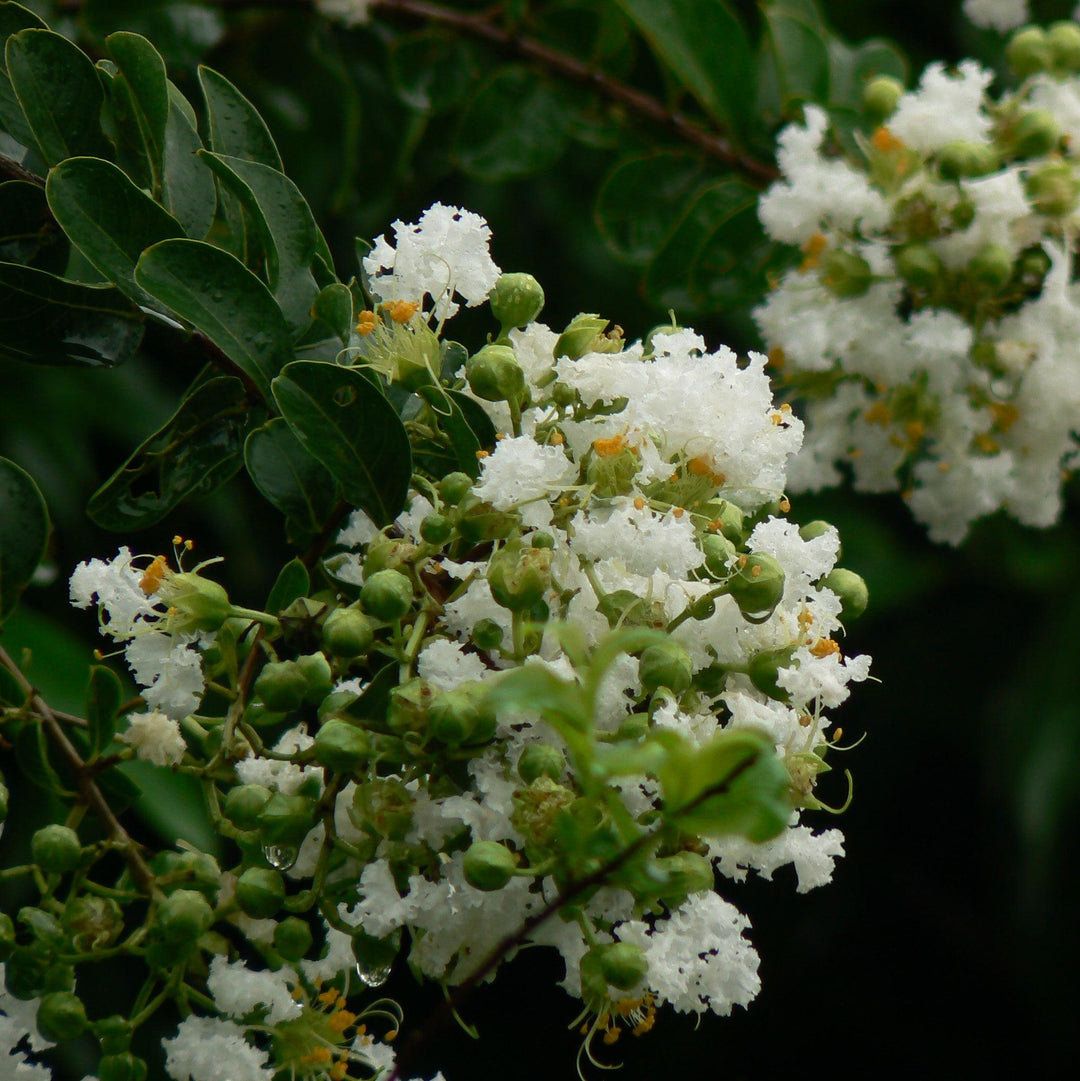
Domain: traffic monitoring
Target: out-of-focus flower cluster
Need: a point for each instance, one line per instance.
(930, 325)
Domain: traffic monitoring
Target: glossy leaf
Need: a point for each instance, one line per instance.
(60, 94)
(795, 64)
(705, 46)
(143, 81)
(49, 320)
(13, 18)
(108, 218)
(467, 427)
(196, 451)
(188, 189)
(292, 583)
(850, 69)
(290, 478)
(333, 308)
(236, 128)
(218, 295)
(24, 532)
(104, 696)
(345, 422)
(27, 231)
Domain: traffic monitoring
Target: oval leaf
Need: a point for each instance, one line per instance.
(24, 531)
(188, 189)
(104, 696)
(143, 71)
(235, 125)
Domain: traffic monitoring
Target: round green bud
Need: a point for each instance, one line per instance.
(542, 539)
(1028, 51)
(1033, 266)
(850, 588)
(1037, 133)
(286, 820)
(495, 375)
(845, 274)
(389, 553)
(685, 873)
(757, 586)
(918, 265)
(318, 678)
(703, 608)
(56, 849)
(488, 865)
(387, 595)
(516, 300)
(519, 577)
(666, 664)
(817, 528)
(281, 686)
(24, 973)
(991, 267)
(719, 555)
(292, 938)
(436, 529)
(341, 746)
(260, 892)
(726, 518)
(122, 1067)
(259, 715)
(658, 331)
(622, 964)
(114, 1034)
(764, 671)
(1053, 189)
(454, 487)
(541, 760)
(963, 159)
(963, 214)
(184, 916)
(408, 707)
(7, 936)
(244, 803)
(347, 632)
(563, 395)
(61, 1016)
(1063, 38)
(487, 634)
(59, 976)
(479, 522)
(463, 715)
(879, 97)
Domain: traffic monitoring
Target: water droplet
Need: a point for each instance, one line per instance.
(280, 857)
(373, 975)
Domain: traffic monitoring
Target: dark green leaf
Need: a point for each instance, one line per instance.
(118, 788)
(642, 199)
(290, 478)
(342, 419)
(850, 69)
(236, 128)
(32, 754)
(11, 694)
(27, 230)
(13, 18)
(293, 582)
(108, 218)
(104, 696)
(432, 71)
(794, 63)
(465, 424)
(184, 32)
(188, 192)
(333, 307)
(60, 94)
(219, 296)
(49, 320)
(24, 531)
(172, 804)
(195, 452)
(516, 124)
(142, 75)
(705, 46)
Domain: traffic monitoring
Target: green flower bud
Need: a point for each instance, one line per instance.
(563, 395)
(963, 159)
(24, 973)
(488, 865)
(879, 97)
(122, 1067)
(812, 530)
(587, 334)
(918, 265)
(183, 917)
(389, 553)
(342, 747)
(318, 678)
(541, 760)
(1033, 266)
(1038, 132)
(1053, 189)
(259, 715)
(764, 671)
(666, 664)
(1028, 51)
(114, 1034)
(519, 577)
(286, 820)
(516, 300)
(281, 686)
(851, 589)
(495, 375)
(685, 873)
(719, 554)
(757, 586)
(244, 803)
(725, 518)
(408, 707)
(347, 632)
(7, 937)
(387, 595)
(454, 487)
(622, 964)
(195, 603)
(260, 892)
(542, 539)
(479, 522)
(487, 634)
(436, 529)
(93, 922)
(658, 332)
(462, 715)
(56, 849)
(383, 806)
(61, 1016)
(625, 608)
(963, 214)
(991, 266)
(1063, 39)
(292, 938)
(845, 274)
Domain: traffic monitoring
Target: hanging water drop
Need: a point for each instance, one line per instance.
(280, 857)
(373, 975)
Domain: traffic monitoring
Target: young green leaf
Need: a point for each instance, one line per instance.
(236, 128)
(104, 696)
(143, 85)
(24, 532)
(188, 189)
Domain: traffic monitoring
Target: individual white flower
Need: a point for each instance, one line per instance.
(445, 664)
(999, 15)
(214, 1049)
(946, 107)
(156, 738)
(239, 991)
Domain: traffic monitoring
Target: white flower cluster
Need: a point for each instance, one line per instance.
(930, 327)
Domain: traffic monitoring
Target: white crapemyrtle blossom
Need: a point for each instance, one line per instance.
(240, 991)
(999, 15)
(932, 342)
(214, 1049)
(349, 12)
(156, 738)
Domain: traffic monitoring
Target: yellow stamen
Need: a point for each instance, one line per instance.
(755, 571)
(401, 311)
(824, 647)
(154, 575)
(328, 998)
(317, 1054)
(639, 503)
(812, 251)
(785, 505)
(678, 512)
(365, 323)
(878, 413)
(986, 443)
(340, 1020)
(884, 140)
(608, 448)
(556, 439)
(915, 430)
(1005, 415)
(481, 454)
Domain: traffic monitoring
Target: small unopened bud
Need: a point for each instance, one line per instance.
(1053, 189)
(622, 964)
(764, 671)
(686, 873)
(244, 804)
(817, 528)
(495, 375)
(541, 760)
(388, 553)
(487, 634)
(991, 266)
(61, 1016)
(347, 632)
(281, 686)
(1063, 38)
(488, 865)
(318, 677)
(387, 595)
(1028, 51)
(726, 518)
(879, 97)
(436, 529)
(757, 586)
(292, 938)
(56, 849)
(1037, 133)
(918, 265)
(462, 715)
(516, 300)
(454, 487)
(963, 159)
(260, 892)
(666, 664)
(845, 274)
(286, 820)
(519, 577)
(184, 916)
(851, 589)
(341, 746)
(408, 707)
(114, 1034)
(719, 555)
(585, 334)
(122, 1067)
